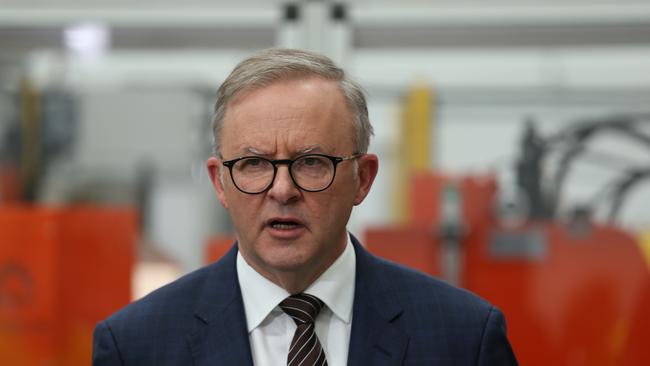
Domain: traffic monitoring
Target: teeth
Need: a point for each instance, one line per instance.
(283, 225)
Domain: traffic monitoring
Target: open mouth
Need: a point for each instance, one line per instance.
(284, 224)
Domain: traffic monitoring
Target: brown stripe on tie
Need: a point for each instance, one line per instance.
(305, 349)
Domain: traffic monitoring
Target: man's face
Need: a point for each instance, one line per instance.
(282, 121)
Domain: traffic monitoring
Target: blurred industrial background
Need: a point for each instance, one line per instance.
(513, 136)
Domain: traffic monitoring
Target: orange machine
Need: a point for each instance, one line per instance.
(572, 294)
(9, 184)
(61, 271)
(218, 246)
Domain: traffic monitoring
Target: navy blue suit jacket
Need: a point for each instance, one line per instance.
(400, 317)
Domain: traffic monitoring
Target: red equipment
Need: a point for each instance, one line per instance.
(61, 271)
(572, 295)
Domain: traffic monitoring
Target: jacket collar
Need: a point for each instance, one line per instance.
(375, 338)
(220, 337)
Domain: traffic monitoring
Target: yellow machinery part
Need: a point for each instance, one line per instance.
(644, 244)
(30, 138)
(415, 144)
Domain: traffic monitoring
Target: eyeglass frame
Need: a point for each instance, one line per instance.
(288, 162)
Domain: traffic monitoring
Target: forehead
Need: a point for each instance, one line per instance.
(289, 115)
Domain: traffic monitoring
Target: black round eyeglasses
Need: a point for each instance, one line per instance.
(311, 172)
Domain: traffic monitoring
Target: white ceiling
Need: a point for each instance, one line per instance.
(27, 25)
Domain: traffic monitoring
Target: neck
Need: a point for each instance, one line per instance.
(297, 280)
(295, 284)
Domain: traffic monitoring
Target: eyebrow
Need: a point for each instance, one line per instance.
(309, 149)
(302, 151)
(255, 151)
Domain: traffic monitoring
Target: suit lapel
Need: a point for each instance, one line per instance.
(375, 338)
(220, 337)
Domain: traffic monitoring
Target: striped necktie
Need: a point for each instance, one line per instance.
(305, 349)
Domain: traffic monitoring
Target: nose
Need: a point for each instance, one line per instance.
(283, 190)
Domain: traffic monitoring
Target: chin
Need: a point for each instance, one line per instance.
(285, 263)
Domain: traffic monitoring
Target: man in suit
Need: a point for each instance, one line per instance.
(291, 137)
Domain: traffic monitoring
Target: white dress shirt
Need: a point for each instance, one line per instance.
(270, 330)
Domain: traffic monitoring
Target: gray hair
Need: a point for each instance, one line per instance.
(274, 64)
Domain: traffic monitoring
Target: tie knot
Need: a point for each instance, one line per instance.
(303, 308)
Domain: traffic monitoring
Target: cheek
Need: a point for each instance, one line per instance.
(330, 206)
(243, 208)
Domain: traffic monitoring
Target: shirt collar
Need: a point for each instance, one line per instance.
(335, 287)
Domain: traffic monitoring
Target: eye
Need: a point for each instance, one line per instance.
(311, 163)
(252, 164)
(252, 161)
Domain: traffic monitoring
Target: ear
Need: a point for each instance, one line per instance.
(368, 167)
(214, 171)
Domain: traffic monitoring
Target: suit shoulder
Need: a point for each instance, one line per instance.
(175, 298)
(468, 330)
(147, 330)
